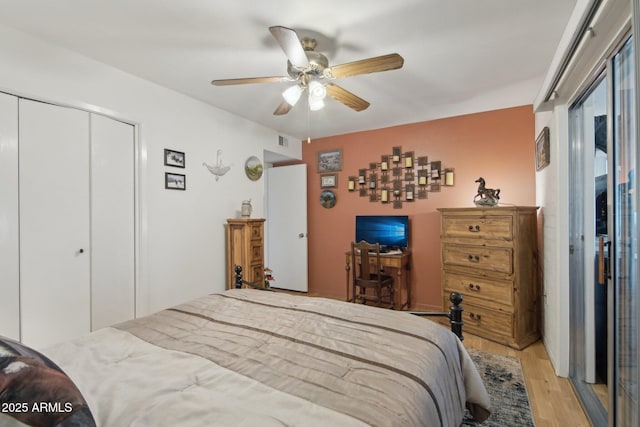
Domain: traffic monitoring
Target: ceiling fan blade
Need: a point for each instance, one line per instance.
(347, 98)
(392, 61)
(242, 81)
(282, 109)
(290, 43)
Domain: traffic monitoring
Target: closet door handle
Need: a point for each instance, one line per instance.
(473, 287)
(81, 251)
(474, 229)
(475, 258)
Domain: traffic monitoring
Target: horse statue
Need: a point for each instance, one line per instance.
(486, 196)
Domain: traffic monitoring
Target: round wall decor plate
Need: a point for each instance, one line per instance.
(328, 199)
(253, 168)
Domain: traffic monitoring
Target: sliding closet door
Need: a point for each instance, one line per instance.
(9, 243)
(112, 222)
(54, 222)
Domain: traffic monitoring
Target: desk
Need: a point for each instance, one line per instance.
(397, 261)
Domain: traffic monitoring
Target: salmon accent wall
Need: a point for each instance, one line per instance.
(496, 145)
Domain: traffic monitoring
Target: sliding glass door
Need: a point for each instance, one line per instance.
(588, 227)
(624, 247)
(604, 245)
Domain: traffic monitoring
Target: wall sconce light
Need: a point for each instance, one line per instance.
(422, 177)
(408, 160)
(448, 177)
(384, 163)
(409, 192)
(352, 183)
(384, 195)
(362, 176)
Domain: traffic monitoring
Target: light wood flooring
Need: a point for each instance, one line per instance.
(553, 401)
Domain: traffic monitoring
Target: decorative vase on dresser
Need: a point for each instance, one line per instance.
(245, 247)
(489, 255)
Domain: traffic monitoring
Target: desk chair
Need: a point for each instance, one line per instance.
(368, 275)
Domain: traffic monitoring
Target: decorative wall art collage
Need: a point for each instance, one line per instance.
(397, 178)
(174, 181)
(401, 177)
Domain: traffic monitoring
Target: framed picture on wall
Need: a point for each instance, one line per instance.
(173, 158)
(329, 180)
(175, 181)
(329, 161)
(542, 149)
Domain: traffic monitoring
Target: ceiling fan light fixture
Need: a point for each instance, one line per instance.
(292, 94)
(311, 70)
(317, 91)
(315, 104)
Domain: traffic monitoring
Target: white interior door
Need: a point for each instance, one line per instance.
(112, 222)
(287, 226)
(54, 223)
(9, 243)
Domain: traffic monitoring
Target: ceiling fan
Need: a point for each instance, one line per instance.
(310, 71)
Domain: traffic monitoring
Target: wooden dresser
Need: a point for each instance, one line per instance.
(489, 255)
(245, 247)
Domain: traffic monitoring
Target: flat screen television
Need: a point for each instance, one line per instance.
(390, 231)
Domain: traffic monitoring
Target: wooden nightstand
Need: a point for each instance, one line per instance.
(245, 247)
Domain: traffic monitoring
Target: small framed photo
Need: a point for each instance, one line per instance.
(330, 161)
(329, 180)
(542, 149)
(175, 181)
(173, 158)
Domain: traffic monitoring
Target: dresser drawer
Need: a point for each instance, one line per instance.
(482, 321)
(256, 232)
(479, 257)
(493, 290)
(257, 254)
(257, 275)
(479, 227)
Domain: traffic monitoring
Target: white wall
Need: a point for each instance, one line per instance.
(552, 197)
(182, 232)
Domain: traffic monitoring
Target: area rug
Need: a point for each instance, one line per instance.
(504, 381)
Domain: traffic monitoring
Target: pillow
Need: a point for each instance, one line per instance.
(36, 392)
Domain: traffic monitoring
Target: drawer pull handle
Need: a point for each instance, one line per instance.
(473, 287)
(473, 258)
(475, 316)
(474, 229)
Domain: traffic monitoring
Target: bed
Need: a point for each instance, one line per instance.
(245, 357)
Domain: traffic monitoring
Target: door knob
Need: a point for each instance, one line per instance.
(81, 251)
(301, 235)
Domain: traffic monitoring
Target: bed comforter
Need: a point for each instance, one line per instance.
(247, 357)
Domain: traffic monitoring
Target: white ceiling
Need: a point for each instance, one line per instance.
(461, 56)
